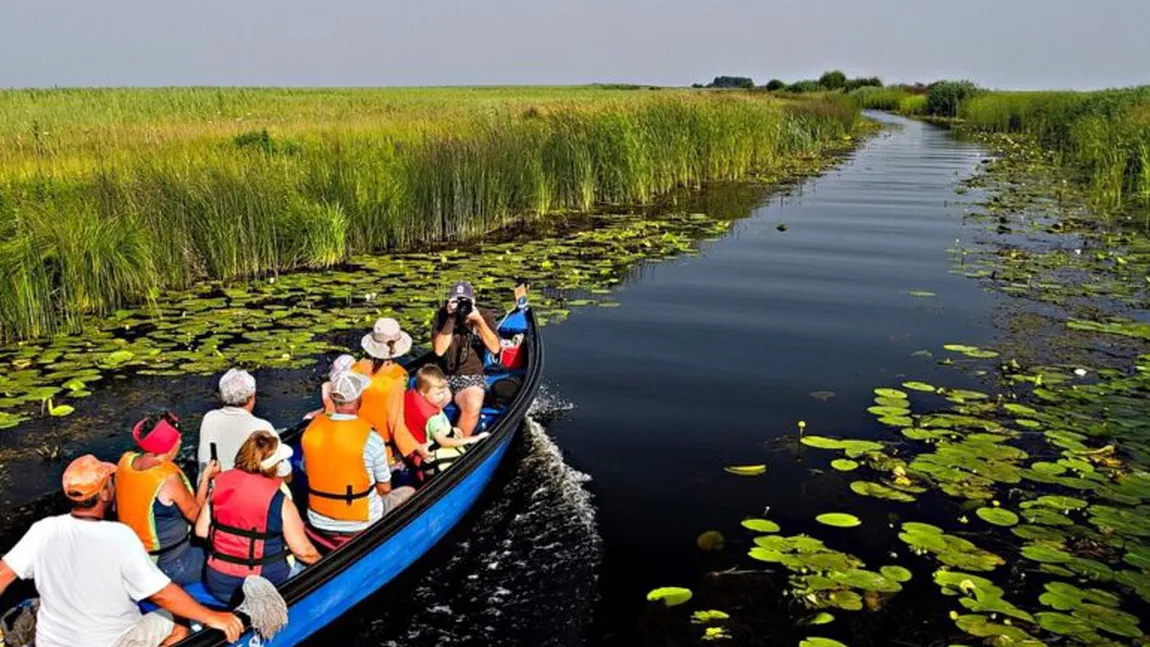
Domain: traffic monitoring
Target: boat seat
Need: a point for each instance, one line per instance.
(198, 593)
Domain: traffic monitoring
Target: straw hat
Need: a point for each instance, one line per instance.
(386, 340)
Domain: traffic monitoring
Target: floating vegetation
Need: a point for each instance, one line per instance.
(293, 320)
(838, 520)
(1050, 458)
(746, 470)
(670, 595)
(844, 464)
(997, 516)
(760, 525)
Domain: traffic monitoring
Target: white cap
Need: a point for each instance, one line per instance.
(348, 386)
(237, 386)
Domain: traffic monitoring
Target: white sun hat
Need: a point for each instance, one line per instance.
(386, 340)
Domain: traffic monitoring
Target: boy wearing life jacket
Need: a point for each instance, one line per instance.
(349, 480)
(155, 498)
(440, 444)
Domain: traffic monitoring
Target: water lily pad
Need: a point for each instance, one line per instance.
(822, 618)
(838, 519)
(760, 525)
(746, 470)
(670, 595)
(997, 516)
(879, 491)
(919, 386)
(895, 573)
(817, 641)
(844, 464)
(822, 442)
(1045, 554)
(822, 396)
(890, 393)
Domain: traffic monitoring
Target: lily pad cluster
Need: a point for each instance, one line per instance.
(291, 320)
(1044, 471)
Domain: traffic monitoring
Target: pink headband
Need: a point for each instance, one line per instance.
(164, 435)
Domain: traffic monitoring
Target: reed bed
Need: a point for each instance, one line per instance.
(1104, 135)
(108, 197)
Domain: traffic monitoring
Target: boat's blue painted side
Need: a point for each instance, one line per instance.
(368, 574)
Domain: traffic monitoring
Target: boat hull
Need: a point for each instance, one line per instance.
(378, 567)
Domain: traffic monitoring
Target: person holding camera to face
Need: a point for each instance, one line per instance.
(459, 334)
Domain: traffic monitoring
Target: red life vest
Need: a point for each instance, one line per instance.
(416, 412)
(240, 543)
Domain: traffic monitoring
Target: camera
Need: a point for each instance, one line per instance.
(463, 308)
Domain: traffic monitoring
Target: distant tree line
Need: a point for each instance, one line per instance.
(834, 80)
(940, 98)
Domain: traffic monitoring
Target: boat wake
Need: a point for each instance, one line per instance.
(522, 572)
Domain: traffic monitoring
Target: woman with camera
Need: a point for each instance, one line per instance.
(459, 335)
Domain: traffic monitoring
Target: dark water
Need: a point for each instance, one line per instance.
(709, 361)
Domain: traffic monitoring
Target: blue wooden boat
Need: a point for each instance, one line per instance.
(351, 573)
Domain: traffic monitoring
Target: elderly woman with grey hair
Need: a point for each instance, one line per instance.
(229, 426)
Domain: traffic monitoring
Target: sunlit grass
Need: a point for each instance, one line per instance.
(109, 196)
(1106, 135)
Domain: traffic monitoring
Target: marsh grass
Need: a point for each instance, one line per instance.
(109, 197)
(1104, 135)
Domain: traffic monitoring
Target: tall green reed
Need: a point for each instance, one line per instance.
(102, 220)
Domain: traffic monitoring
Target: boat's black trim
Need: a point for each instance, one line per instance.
(340, 559)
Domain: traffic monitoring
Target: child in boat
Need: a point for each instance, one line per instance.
(341, 364)
(441, 444)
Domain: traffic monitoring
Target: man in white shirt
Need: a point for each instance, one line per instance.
(229, 426)
(90, 574)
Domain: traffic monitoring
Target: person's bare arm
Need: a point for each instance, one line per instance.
(485, 331)
(188, 503)
(383, 489)
(174, 599)
(441, 337)
(7, 576)
(295, 536)
(443, 440)
(204, 521)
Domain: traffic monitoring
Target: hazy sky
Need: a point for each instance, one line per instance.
(998, 43)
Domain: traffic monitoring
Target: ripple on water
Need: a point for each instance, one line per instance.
(522, 572)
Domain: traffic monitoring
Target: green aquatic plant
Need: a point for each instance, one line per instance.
(670, 595)
(760, 525)
(838, 519)
(997, 516)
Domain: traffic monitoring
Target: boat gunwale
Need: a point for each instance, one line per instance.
(344, 557)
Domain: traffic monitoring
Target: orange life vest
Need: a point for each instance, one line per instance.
(375, 405)
(338, 483)
(136, 492)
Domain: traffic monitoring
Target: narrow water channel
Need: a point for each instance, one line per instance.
(709, 361)
(811, 299)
